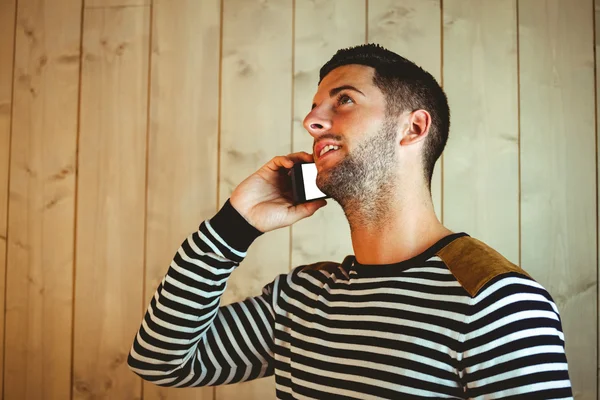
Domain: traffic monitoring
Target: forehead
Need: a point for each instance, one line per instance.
(359, 76)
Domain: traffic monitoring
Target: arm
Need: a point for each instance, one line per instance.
(185, 338)
(514, 345)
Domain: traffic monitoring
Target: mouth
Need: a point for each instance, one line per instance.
(327, 154)
(325, 150)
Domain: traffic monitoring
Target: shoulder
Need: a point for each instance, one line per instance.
(324, 270)
(475, 264)
(321, 268)
(517, 291)
(319, 272)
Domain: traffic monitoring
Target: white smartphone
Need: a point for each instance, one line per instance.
(304, 183)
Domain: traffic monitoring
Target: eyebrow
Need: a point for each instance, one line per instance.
(338, 89)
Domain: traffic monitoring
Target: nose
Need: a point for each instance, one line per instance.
(317, 122)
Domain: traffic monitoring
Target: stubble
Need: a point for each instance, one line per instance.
(363, 183)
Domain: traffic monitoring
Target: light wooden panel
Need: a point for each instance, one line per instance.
(321, 28)
(411, 28)
(89, 4)
(481, 160)
(8, 12)
(42, 201)
(111, 201)
(256, 118)
(558, 170)
(183, 142)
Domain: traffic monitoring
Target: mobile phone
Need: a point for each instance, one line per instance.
(304, 183)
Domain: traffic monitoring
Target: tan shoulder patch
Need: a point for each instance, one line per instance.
(473, 263)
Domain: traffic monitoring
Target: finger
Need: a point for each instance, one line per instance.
(300, 156)
(288, 161)
(279, 162)
(307, 209)
(313, 206)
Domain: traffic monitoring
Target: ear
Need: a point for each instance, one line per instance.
(419, 123)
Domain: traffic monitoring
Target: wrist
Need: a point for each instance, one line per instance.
(233, 228)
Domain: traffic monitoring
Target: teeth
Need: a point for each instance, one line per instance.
(327, 148)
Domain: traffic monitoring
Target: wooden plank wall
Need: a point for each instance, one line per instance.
(183, 139)
(111, 197)
(42, 199)
(7, 37)
(557, 138)
(125, 123)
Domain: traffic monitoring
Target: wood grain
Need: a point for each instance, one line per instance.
(322, 28)
(558, 170)
(8, 12)
(183, 142)
(269, 75)
(256, 113)
(39, 298)
(481, 160)
(111, 201)
(89, 4)
(411, 28)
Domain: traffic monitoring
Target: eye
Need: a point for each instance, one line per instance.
(344, 99)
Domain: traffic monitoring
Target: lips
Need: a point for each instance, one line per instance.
(329, 153)
(320, 145)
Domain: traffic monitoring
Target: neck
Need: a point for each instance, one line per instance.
(394, 228)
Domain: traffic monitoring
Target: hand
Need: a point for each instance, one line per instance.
(264, 199)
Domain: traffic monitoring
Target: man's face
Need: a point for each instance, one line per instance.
(349, 112)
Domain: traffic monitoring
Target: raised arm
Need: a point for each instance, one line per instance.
(186, 338)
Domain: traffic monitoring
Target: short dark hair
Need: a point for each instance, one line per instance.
(406, 86)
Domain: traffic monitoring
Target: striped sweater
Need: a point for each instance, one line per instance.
(349, 331)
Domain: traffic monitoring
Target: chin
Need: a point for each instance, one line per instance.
(324, 182)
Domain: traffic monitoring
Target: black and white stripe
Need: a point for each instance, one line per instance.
(346, 332)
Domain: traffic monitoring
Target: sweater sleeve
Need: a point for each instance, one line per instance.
(514, 345)
(186, 338)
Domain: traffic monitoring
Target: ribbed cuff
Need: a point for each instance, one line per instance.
(233, 228)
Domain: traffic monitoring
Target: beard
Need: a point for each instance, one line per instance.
(363, 182)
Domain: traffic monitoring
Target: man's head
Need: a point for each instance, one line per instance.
(383, 111)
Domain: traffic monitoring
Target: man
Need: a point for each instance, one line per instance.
(417, 312)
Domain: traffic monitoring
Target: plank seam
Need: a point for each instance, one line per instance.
(10, 131)
(76, 200)
(148, 103)
(117, 7)
(219, 109)
(518, 40)
(366, 21)
(219, 127)
(594, 44)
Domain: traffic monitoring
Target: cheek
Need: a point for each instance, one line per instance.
(355, 124)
